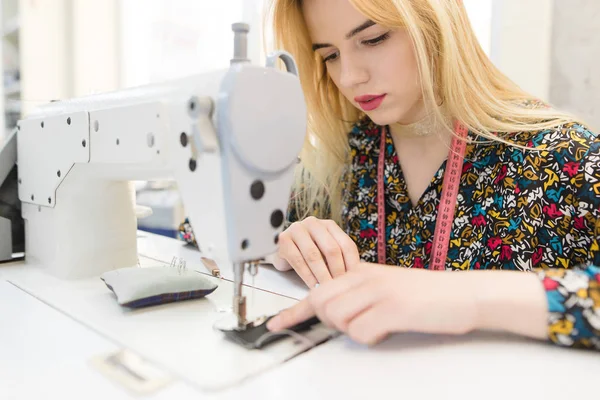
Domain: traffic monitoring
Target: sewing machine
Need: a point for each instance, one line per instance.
(230, 139)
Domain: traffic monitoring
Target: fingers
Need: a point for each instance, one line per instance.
(328, 245)
(315, 300)
(348, 247)
(329, 293)
(371, 326)
(289, 252)
(279, 263)
(341, 310)
(300, 250)
(291, 316)
(318, 250)
(312, 254)
(351, 304)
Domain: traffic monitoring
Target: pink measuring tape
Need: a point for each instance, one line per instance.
(443, 226)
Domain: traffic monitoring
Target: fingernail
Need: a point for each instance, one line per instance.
(316, 285)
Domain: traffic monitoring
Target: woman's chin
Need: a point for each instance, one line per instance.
(383, 117)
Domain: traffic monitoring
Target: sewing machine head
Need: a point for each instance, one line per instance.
(230, 138)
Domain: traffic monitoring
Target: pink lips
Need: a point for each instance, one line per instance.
(369, 102)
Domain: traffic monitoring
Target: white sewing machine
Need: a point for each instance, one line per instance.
(230, 139)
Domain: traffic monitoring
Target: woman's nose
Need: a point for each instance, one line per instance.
(352, 73)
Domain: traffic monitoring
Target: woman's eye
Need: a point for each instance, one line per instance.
(369, 42)
(377, 40)
(330, 57)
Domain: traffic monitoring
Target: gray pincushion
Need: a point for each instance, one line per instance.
(140, 287)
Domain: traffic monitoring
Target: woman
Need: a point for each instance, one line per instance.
(424, 156)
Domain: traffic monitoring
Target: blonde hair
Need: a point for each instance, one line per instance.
(453, 69)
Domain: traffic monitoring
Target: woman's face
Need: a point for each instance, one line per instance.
(375, 68)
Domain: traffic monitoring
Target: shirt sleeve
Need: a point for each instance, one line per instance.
(573, 305)
(574, 294)
(186, 233)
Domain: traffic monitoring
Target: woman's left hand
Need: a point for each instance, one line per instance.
(374, 301)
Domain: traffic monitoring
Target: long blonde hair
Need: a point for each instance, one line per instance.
(453, 69)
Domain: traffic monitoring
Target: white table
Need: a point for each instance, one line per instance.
(51, 329)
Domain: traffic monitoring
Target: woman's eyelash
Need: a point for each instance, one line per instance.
(377, 40)
(330, 57)
(370, 42)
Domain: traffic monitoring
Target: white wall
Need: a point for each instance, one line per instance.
(166, 39)
(575, 83)
(480, 15)
(96, 37)
(79, 47)
(68, 48)
(45, 52)
(521, 42)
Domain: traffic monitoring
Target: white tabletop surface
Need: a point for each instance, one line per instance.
(45, 354)
(50, 329)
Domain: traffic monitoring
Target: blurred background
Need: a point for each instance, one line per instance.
(58, 49)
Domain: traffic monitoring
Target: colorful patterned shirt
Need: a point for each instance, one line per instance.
(535, 211)
(525, 210)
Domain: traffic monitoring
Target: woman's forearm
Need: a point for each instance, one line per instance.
(512, 302)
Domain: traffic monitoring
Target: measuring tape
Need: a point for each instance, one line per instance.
(443, 226)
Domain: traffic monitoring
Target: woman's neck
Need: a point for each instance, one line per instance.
(421, 122)
(420, 157)
(422, 151)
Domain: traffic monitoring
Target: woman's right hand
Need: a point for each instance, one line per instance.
(318, 250)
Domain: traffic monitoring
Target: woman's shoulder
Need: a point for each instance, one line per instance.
(567, 144)
(556, 134)
(573, 137)
(570, 146)
(560, 136)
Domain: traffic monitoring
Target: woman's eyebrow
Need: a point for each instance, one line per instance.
(360, 28)
(349, 35)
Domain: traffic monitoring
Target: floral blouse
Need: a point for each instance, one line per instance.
(527, 210)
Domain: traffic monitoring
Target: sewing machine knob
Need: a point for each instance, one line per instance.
(277, 218)
(204, 136)
(257, 190)
(240, 42)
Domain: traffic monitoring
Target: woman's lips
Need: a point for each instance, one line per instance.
(370, 102)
